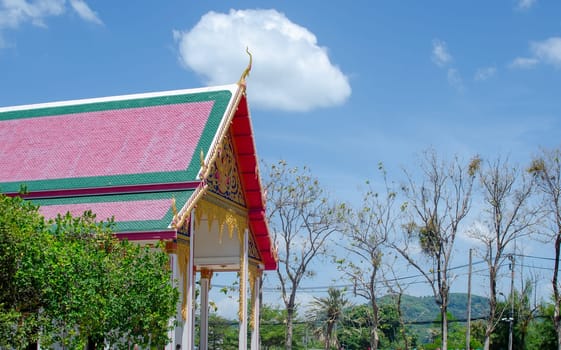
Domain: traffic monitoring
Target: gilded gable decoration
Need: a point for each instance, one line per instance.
(253, 251)
(224, 178)
(225, 217)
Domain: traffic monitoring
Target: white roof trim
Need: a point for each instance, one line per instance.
(231, 87)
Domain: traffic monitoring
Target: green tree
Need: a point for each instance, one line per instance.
(222, 333)
(272, 331)
(83, 286)
(541, 332)
(522, 318)
(456, 334)
(22, 238)
(354, 332)
(327, 313)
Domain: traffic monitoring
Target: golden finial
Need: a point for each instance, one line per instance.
(246, 71)
(173, 206)
(174, 211)
(203, 166)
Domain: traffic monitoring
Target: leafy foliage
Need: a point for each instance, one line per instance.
(222, 333)
(327, 313)
(272, 327)
(541, 333)
(70, 281)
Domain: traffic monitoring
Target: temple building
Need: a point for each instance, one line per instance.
(176, 166)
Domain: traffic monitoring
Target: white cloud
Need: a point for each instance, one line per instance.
(14, 13)
(290, 71)
(440, 54)
(548, 51)
(524, 62)
(525, 4)
(455, 79)
(485, 73)
(85, 12)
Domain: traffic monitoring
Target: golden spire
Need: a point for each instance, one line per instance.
(173, 208)
(246, 71)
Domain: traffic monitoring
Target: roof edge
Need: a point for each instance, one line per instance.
(230, 87)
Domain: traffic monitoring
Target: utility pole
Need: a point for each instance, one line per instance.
(468, 333)
(511, 318)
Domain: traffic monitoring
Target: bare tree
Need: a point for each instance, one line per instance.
(547, 172)
(302, 219)
(509, 215)
(367, 229)
(437, 204)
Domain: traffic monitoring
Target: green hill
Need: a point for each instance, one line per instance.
(424, 309)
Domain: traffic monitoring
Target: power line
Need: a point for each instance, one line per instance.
(534, 257)
(478, 272)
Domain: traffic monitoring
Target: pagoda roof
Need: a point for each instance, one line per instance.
(130, 157)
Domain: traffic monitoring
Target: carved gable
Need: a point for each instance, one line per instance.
(224, 179)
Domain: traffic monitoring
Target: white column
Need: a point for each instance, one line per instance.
(242, 338)
(205, 287)
(175, 334)
(189, 326)
(193, 288)
(255, 345)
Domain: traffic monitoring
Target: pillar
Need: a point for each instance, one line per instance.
(242, 337)
(256, 302)
(188, 314)
(206, 276)
(175, 335)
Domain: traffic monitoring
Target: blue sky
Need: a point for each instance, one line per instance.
(338, 86)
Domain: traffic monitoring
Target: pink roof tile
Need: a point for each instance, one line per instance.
(136, 210)
(102, 143)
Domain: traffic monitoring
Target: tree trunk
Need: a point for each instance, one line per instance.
(402, 323)
(289, 326)
(487, 343)
(374, 338)
(328, 336)
(559, 339)
(556, 296)
(490, 327)
(444, 329)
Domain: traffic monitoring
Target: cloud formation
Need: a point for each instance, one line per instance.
(85, 12)
(442, 58)
(290, 70)
(440, 54)
(525, 4)
(547, 51)
(523, 63)
(485, 73)
(14, 13)
(455, 79)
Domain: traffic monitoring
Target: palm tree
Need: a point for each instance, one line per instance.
(327, 312)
